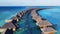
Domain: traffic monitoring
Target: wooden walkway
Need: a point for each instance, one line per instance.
(39, 22)
(11, 23)
(42, 23)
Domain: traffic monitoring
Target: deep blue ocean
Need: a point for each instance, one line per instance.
(52, 15)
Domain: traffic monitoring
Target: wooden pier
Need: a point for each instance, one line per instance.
(11, 23)
(42, 23)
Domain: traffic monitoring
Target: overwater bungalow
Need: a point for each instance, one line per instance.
(33, 13)
(19, 16)
(15, 21)
(40, 22)
(9, 26)
(43, 24)
(37, 18)
(3, 30)
(23, 12)
(48, 30)
(14, 18)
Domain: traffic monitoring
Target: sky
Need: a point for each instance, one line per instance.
(29, 2)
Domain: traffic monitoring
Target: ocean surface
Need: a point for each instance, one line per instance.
(7, 12)
(52, 15)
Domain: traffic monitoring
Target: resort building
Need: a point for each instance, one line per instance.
(48, 30)
(9, 26)
(19, 16)
(14, 18)
(42, 24)
(3, 30)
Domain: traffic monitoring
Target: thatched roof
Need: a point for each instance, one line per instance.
(8, 25)
(44, 23)
(48, 29)
(18, 14)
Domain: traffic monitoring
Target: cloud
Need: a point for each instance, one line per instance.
(29, 2)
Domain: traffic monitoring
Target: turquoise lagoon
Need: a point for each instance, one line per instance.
(53, 16)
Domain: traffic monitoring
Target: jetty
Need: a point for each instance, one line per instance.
(11, 24)
(42, 23)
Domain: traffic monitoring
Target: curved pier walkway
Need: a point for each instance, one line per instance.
(43, 24)
(26, 17)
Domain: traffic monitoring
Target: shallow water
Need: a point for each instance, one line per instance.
(53, 16)
(22, 24)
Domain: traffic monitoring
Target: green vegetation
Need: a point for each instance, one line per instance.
(0, 32)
